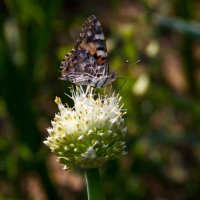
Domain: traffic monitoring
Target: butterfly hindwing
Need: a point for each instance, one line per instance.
(87, 63)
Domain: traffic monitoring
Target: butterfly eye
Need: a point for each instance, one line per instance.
(112, 76)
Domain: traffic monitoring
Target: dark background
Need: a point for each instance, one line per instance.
(161, 94)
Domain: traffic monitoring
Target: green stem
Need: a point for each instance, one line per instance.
(94, 187)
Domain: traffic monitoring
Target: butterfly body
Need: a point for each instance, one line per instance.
(87, 63)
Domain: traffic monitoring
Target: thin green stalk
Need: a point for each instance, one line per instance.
(94, 187)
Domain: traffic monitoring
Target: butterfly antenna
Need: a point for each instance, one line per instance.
(127, 62)
(137, 62)
(123, 83)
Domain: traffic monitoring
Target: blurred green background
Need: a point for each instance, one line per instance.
(161, 94)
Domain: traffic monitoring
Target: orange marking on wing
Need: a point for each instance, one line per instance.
(100, 61)
(88, 46)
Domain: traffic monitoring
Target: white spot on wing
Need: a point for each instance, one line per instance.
(89, 33)
(99, 37)
(98, 23)
(92, 60)
(101, 53)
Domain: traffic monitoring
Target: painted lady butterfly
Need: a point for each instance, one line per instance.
(87, 63)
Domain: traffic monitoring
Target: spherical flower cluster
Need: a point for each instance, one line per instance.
(90, 133)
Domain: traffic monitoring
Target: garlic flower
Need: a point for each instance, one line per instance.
(90, 133)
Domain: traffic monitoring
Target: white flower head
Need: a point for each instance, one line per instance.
(90, 133)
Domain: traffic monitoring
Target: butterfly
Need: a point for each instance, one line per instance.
(87, 63)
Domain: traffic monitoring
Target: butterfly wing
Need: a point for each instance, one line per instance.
(87, 61)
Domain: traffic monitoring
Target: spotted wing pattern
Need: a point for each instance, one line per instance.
(87, 63)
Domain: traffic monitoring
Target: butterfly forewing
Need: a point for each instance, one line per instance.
(87, 63)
